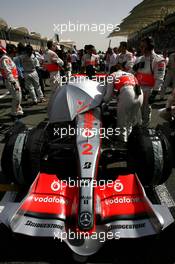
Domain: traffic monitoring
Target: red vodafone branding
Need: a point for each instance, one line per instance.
(118, 186)
(123, 200)
(50, 199)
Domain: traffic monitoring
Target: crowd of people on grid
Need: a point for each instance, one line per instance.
(25, 70)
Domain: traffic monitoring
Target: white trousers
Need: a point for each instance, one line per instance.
(33, 86)
(146, 107)
(16, 98)
(128, 111)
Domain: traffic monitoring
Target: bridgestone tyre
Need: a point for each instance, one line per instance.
(168, 129)
(33, 152)
(7, 159)
(21, 157)
(149, 155)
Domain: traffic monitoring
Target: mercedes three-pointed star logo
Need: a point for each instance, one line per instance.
(85, 219)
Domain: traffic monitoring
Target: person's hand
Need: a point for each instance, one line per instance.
(17, 88)
(104, 107)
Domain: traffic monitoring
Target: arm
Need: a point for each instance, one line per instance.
(159, 74)
(60, 62)
(55, 59)
(97, 61)
(36, 63)
(83, 60)
(109, 91)
(130, 63)
(6, 66)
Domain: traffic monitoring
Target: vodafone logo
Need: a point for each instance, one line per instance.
(123, 200)
(47, 199)
(55, 186)
(88, 133)
(118, 186)
(80, 103)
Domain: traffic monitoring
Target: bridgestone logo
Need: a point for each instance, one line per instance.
(40, 225)
(134, 226)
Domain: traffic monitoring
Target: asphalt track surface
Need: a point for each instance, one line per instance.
(152, 250)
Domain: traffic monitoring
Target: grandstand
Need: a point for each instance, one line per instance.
(154, 18)
(20, 34)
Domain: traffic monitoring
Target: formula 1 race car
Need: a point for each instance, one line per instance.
(82, 187)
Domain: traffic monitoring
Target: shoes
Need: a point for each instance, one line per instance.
(42, 100)
(16, 116)
(34, 103)
(20, 113)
